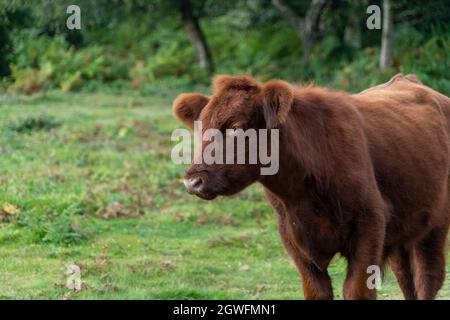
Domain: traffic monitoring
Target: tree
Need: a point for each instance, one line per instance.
(6, 46)
(189, 12)
(196, 36)
(11, 17)
(307, 26)
(386, 38)
(51, 15)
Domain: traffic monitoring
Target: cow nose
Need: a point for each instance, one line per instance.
(193, 185)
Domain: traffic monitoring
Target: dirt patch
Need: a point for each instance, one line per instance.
(220, 220)
(244, 241)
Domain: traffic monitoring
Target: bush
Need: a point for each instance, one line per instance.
(164, 58)
(43, 63)
(53, 227)
(30, 124)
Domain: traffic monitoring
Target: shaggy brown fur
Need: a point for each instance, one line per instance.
(364, 175)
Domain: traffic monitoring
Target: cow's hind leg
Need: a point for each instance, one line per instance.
(400, 261)
(366, 251)
(429, 263)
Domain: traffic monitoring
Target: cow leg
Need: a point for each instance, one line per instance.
(316, 283)
(365, 250)
(400, 261)
(429, 262)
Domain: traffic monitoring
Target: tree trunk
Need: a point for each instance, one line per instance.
(386, 40)
(353, 29)
(307, 27)
(196, 36)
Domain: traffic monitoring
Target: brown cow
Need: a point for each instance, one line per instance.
(364, 175)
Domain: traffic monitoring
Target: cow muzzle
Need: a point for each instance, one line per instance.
(197, 185)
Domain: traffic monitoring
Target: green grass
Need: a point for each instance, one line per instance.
(92, 178)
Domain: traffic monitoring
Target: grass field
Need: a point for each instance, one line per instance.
(87, 179)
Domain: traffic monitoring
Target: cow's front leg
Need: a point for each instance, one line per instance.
(365, 250)
(316, 282)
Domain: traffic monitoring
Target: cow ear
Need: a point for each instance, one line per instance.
(187, 107)
(277, 98)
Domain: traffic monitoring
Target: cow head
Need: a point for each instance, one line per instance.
(237, 103)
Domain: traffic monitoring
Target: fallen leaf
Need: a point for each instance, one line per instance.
(9, 212)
